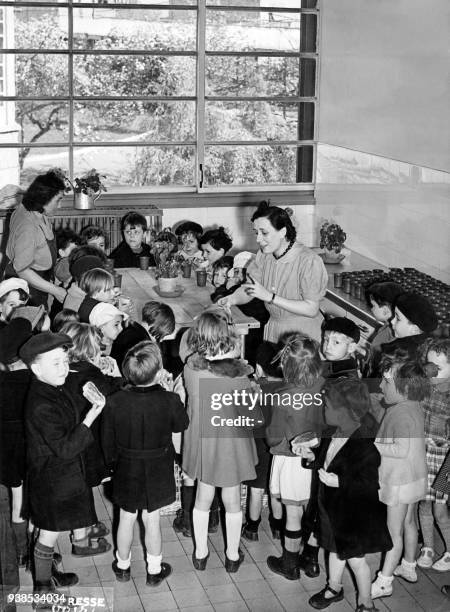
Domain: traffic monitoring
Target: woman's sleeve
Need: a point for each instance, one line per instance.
(23, 246)
(313, 279)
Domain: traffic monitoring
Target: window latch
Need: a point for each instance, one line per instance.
(201, 176)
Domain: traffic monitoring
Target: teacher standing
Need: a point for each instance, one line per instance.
(31, 247)
(288, 277)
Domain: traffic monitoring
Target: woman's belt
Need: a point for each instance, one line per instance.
(153, 453)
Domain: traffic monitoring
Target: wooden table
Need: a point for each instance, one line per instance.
(139, 285)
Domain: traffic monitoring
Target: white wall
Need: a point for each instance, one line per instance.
(383, 130)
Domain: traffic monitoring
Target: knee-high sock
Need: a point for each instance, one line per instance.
(187, 498)
(20, 533)
(200, 520)
(444, 527)
(43, 558)
(233, 522)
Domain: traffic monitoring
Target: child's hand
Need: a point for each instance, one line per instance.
(328, 478)
(166, 380)
(93, 413)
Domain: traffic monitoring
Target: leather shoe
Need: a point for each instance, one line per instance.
(63, 579)
(249, 534)
(232, 566)
(199, 564)
(122, 575)
(90, 551)
(155, 579)
(279, 566)
(320, 602)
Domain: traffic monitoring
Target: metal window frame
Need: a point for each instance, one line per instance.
(201, 8)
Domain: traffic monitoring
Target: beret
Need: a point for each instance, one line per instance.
(189, 226)
(103, 313)
(12, 336)
(85, 263)
(33, 314)
(13, 284)
(418, 310)
(42, 343)
(242, 259)
(342, 325)
(86, 307)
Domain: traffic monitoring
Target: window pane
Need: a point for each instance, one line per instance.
(141, 120)
(252, 31)
(250, 165)
(37, 161)
(139, 75)
(41, 74)
(40, 28)
(117, 4)
(139, 166)
(43, 120)
(259, 121)
(134, 29)
(252, 76)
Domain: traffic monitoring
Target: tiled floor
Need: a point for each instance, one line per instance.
(254, 587)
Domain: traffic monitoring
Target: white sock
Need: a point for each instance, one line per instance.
(408, 564)
(200, 520)
(123, 564)
(154, 563)
(384, 580)
(233, 522)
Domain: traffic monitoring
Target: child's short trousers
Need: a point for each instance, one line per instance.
(289, 480)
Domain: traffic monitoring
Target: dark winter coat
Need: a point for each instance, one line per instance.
(128, 337)
(352, 510)
(59, 498)
(124, 257)
(137, 441)
(13, 391)
(80, 373)
(346, 368)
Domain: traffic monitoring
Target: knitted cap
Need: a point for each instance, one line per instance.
(344, 326)
(13, 284)
(418, 310)
(104, 313)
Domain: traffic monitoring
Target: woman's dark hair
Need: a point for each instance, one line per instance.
(218, 239)
(132, 219)
(278, 218)
(42, 190)
(159, 318)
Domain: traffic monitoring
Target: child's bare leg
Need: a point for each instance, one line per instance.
(43, 557)
(231, 497)
(255, 503)
(277, 507)
(395, 522)
(336, 569)
(16, 499)
(200, 517)
(361, 570)
(292, 532)
(442, 516)
(153, 540)
(19, 526)
(411, 535)
(125, 538)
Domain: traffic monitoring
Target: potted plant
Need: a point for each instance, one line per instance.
(88, 188)
(332, 238)
(167, 263)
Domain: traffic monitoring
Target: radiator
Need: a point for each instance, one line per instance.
(108, 221)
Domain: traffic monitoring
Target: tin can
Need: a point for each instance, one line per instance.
(338, 280)
(347, 284)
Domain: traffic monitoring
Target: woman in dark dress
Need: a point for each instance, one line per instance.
(31, 247)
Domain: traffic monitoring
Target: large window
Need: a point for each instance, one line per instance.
(191, 94)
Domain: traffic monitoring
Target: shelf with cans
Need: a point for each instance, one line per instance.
(354, 284)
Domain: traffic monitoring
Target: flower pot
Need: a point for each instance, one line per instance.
(167, 285)
(83, 201)
(332, 257)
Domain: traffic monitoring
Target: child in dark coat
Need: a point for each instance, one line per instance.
(137, 442)
(127, 253)
(58, 496)
(352, 520)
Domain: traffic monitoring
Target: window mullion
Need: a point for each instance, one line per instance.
(71, 109)
(200, 127)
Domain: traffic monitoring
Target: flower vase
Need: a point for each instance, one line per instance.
(83, 201)
(331, 257)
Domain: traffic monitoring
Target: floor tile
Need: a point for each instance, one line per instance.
(159, 602)
(223, 593)
(190, 597)
(231, 606)
(266, 604)
(128, 604)
(214, 576)
(255, 589)
(183, 580)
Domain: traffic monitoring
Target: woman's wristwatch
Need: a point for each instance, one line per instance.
(272, 299)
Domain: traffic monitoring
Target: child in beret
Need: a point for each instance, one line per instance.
(59, 499)
(340, 337)
(13, 292)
